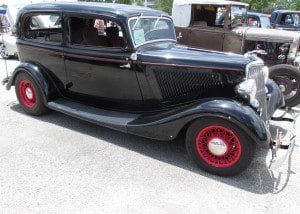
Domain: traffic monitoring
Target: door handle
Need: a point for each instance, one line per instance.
(126, 66)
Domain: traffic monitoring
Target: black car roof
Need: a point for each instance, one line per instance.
(286, 11)
(95, 7)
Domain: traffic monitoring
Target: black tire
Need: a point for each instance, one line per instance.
(289, 77)
(35, 106)
(235, 163)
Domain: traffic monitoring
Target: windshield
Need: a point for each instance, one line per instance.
(238, 16)
(265, 22)
(148, 29)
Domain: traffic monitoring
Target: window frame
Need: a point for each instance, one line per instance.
(152, 41)
(25, 27)
(69, 16)
(226, 25)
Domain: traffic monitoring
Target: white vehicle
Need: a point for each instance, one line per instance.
(8, 45)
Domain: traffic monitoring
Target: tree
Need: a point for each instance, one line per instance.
(110, 1)
(165, 5)
(267, 6)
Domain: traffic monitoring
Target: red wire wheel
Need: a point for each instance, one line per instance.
(218, 146)
(27, 94)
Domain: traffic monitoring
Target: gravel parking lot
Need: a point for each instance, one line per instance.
(59, 164)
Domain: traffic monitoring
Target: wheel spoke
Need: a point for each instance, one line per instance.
(218, 146)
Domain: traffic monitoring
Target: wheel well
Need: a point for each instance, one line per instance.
(183, 130)
(43, 81)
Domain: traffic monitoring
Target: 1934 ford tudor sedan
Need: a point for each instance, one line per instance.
(120, 67)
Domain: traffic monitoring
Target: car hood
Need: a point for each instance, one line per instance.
(174, 54)
(267, 35)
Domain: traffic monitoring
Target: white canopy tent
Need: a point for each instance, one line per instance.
(13, 6)
(183, 9)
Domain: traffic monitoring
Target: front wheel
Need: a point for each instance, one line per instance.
(219, 147)
(288, 79)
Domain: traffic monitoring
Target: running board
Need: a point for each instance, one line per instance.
(110, 119)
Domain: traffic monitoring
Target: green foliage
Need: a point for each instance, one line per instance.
(165, 5)
(110, 1)
(267, 6)
(264, 6)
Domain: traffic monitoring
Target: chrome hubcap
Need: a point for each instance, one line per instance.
(29, 93)
(217, 147)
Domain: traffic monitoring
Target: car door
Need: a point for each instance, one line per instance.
(206, 29)
(234, 38)
(202, 37)
(97, 64)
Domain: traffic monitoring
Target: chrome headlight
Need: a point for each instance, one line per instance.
(247, 90)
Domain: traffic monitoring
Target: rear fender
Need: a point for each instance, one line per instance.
(38, 74)
(168, 125)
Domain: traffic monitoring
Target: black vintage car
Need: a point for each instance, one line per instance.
(286, 20)
(258, 20)
(120, 67)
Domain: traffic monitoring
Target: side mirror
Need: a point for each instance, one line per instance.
(179, 36)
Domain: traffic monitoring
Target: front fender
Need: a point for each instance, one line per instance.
(37, 73)
(166, 126)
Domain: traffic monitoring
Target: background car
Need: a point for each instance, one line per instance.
(286, 20)
(222, 26)
(259, 20)
(8, 46)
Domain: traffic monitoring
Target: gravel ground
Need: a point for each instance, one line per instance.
(58, 164)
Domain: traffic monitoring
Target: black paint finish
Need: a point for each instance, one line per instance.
(162, 85)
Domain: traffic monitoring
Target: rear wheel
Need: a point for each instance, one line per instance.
(288, 78)
(219, 147)
(29, 94)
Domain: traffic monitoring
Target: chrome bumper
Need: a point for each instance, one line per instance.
(282, 141)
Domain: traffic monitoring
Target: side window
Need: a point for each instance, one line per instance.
(212, 16)
(253, 22)
(287, 19)
(44, 28)
(96, 32)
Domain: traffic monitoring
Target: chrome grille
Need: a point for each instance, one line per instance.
(255, 71)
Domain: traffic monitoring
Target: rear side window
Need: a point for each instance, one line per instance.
(43, 28)
(212, 16)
